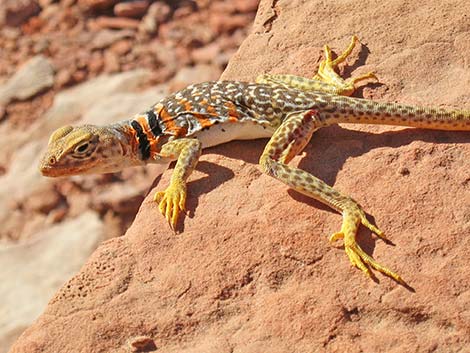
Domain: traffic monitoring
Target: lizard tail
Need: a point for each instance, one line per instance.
(363, 111)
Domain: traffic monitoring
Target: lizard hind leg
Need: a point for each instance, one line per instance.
(326, 80)
(287, 141)
(327, 70)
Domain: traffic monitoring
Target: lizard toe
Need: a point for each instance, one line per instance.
(171, 202)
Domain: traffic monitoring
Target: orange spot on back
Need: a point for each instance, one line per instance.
(170, 123)
(203, 120)
(233, 115)
(187, 105)
(211, 110)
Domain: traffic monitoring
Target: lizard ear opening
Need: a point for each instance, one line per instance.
(59, 133)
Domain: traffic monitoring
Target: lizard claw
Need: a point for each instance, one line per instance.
(357, 256)
(328, 67)
(171, 202)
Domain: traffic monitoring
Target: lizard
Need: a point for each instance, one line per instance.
(285, 108)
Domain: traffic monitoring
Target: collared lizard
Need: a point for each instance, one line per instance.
(286, 108)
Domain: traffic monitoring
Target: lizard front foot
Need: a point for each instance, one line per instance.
(171, 202)
(352, 217)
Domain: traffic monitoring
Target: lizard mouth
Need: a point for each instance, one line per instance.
(57, 171)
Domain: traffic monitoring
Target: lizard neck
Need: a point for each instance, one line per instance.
(127, 138)
(139, 140)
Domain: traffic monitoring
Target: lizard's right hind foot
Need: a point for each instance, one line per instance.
(353, 216)
(327, 70)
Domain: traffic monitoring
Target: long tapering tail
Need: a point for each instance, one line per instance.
(363, 111)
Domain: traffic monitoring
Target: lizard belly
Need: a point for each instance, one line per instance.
(221, 133)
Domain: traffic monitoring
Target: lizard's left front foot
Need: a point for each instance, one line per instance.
(171, 202)
(352, 217)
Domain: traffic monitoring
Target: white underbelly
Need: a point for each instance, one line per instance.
(221, 133)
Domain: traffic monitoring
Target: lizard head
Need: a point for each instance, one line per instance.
(85, 149)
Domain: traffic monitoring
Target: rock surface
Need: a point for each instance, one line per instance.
(136, 8)
(15, 12)
(31, 272)
(36, 75)
(252, 270)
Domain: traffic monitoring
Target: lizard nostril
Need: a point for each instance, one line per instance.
(52, 160)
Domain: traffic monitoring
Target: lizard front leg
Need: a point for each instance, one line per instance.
(287, 141)
(172, 201)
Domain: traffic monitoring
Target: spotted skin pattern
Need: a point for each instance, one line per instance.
(286, 108)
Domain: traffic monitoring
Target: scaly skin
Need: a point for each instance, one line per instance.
(286, 108)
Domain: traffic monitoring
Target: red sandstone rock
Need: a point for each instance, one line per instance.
(206, 54)
(97, 4)
(111, 62)
(252, 270)
(43, 202)
(15, 12)
(63, 78)
(116, 23)
(194, 74)
(158, 13)
(45, 3)
(246, 5)
(131, 9)
(228, 23)
(3, 112)
(96, 62)
(121, 47)
(107, 37)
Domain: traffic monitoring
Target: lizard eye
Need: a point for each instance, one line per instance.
(85, 147)
(82, 148)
